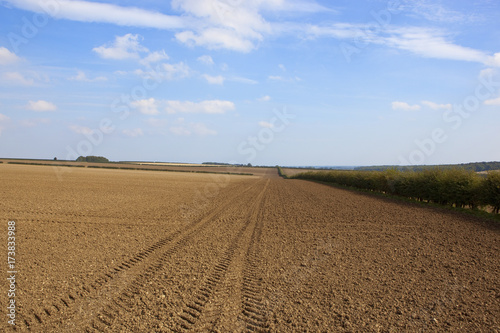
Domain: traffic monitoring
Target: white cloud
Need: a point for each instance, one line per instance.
(17, 78)
(487, 72)
(174, 71)
(202, 129)
(494, 60)
(216, 39)
(495, 101)
(155, 122)
(81, 129)
(276, 78)
(206, 59)
(234, 26)
(124, 47)
(430, 43)
(86, 11)
(424, 42)
(405, 106)
(264, 99)
(436, 106)
(243, 80)
(146, 106)
(284, 79)
(179, 130)
(41, 106)
(208, 107)
(81, 76)
(133, 133)
(192, 128)
(7, 57)
(434, 12)
(282, 67)
(265, 124)
(214, 79)
(241, 26)
(154, 57)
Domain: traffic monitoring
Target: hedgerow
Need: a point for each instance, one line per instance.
(454, 187)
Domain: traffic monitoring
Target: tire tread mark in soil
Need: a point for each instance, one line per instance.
(253, 308)
(124, 301)
(86, 289)
(192, 312)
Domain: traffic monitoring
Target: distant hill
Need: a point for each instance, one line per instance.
(476, 167)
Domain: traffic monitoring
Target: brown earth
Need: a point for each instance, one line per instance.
(140, 251)
(63, 167)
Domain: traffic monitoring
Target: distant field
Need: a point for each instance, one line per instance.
(173, 164)
(200, 168)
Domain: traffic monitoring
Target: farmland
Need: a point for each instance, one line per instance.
(110, 250)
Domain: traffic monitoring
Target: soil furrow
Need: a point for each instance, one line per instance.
(89, 302)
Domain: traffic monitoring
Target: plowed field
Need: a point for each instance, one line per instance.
(143, 251)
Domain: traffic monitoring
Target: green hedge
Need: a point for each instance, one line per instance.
(455, 187)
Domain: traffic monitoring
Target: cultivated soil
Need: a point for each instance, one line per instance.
(141, 251)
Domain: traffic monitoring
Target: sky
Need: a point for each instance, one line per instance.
(276, 82)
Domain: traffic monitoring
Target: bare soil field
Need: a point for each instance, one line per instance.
(142, 251)
(61, 167)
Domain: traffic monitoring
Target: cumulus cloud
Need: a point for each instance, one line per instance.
(133, 133)
(405, 106)
(230, 26)
(174, 71)
(166, 72)
(436, 106)
(494, 60)
(192, 128)
(214, 79)
(206, 59)
(146, 106)
(41, 106)
(202, 129)
(155, 122)
(495, 101)
(81, 129)
(208, 107)
(264, 98)
(82, 77)
(265, 124)
(154, 57)
(3, 117)
(17, 78)
(7, 57)
(123, 47)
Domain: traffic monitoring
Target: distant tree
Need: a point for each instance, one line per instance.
(92, 159)
(55, 158)
(249, 165)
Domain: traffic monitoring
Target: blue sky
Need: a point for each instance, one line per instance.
(289, 82)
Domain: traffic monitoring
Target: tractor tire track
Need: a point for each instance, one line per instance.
(82, 303)
(125, 302)
(218, 303)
